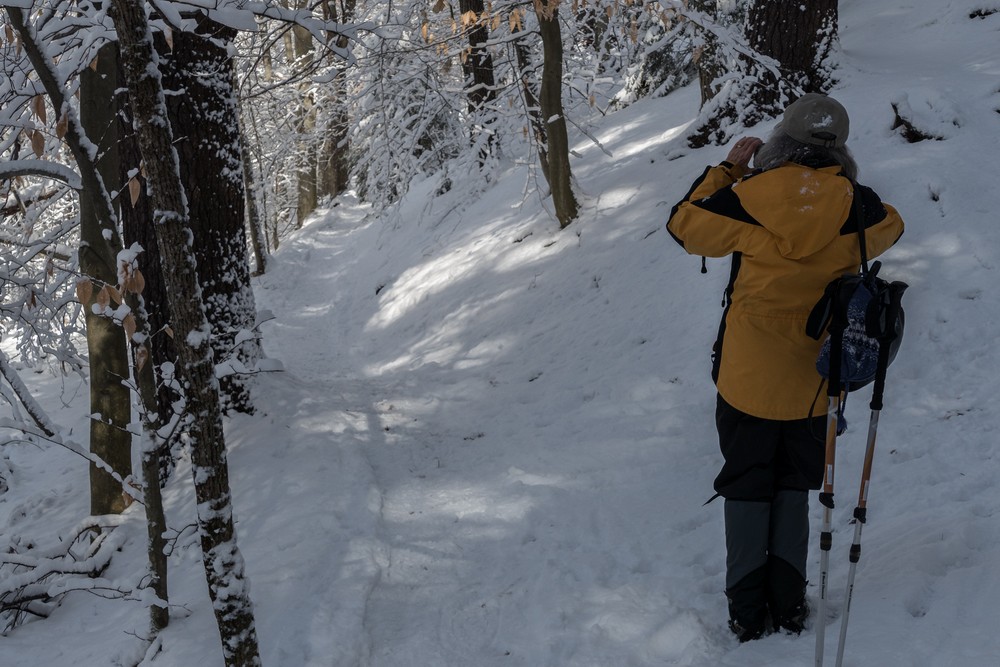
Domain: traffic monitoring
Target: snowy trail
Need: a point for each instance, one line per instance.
(492, 547)
(322, 424)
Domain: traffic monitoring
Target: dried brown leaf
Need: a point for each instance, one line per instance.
(129, 325)
(38, 108)
(439, 6)
(141, 357)
(84, 290)
(516, 20)
(103, 297)
(62, 125)
(167, 330)
(133, 190)
(138, 282)
(38, 143)
(115, 294)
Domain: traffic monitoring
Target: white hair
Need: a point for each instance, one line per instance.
(781, 148)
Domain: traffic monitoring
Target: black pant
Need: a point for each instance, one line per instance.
(769, 467)
(763, 456)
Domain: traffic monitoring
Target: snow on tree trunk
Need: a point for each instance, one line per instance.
(206, 121)
(524, 67)
(212, 171)
(224, 567)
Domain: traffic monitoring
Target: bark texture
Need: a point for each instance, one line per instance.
(799, 35)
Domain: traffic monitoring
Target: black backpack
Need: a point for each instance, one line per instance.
(863, 316)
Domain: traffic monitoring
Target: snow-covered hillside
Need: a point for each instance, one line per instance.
(493, 439)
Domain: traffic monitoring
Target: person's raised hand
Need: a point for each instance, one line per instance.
(743, 150)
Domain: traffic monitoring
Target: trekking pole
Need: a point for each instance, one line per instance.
(838, 323)
(861, 511)
(826, 534)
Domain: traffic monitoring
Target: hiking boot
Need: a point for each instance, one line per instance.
(793, 621)
(745, 634)
(748, 606)
(786, 596)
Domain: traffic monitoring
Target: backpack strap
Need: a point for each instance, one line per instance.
(858, 210)
(822, 312)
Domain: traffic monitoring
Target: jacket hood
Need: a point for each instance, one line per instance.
(803, 208)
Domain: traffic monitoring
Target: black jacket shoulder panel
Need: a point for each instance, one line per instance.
(870, 206)
(726, 202)
(694, 186)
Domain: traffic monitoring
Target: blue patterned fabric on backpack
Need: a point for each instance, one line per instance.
(868, 320)
(859, 351)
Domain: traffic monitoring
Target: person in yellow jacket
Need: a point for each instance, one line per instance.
(791, 227)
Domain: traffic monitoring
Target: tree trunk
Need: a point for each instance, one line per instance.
(480, 84)
(100, 243)
(307, 193)
(151, 464)
(258, 241)
(212, 172)
(224, 567)
(106, 343)
(534, 111)
(799, 35)
(550, 99)
(709, 66)
(205, 119)
(333, 169)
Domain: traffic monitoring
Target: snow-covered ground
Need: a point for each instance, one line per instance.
(493, 439)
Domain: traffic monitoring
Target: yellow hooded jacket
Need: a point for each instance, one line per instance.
(791, 230)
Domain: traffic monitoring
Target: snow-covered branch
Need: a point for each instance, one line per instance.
(53, 170)
(33, 580)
